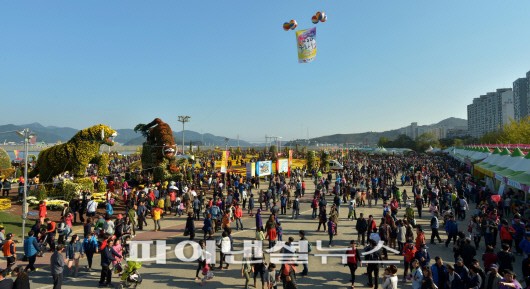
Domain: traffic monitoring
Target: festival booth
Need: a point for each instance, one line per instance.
(520, 179)
(507, 170)
(484, 167)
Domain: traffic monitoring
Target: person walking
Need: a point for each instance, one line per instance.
(203, 256)
(57, 267)
(361, 226)
(74, 252)
(131, 218)
(451, 227)
(90, 247)
(9, 250)
(141, 211)
(353, 261)
(295, 208)
(332, 228)
(189, 230)
(373, 267)
(107, 256)
(157, 215)
(31, 249)
(435, 224)
(91, 208)
(301, 234)
(238, 215)
(246, 270)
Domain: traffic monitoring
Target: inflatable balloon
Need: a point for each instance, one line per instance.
(320, 16)
(293, 23)
(286, 26)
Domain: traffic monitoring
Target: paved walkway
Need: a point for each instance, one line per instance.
(178, 274)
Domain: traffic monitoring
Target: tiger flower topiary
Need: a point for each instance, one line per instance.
(74, 156)
(158, 152)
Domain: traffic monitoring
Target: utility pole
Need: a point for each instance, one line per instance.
(27, 135)
(184, 119)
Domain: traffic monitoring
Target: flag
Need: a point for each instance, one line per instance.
(16, 152)
(307, 45)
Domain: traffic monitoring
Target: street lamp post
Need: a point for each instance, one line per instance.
(184, 119)
(226, 143)
(27, 135)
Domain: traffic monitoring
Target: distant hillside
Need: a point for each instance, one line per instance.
(53, 134)
(373, 137)
(195, 138)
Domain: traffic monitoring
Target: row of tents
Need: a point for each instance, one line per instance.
(510, 168)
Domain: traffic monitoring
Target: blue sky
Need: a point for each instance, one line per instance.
(230, 66)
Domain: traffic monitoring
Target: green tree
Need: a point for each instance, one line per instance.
(5, 160)
(426, 140)
(311, 161)
(273, 152)
(324, 161)
(383, 142)
(458, 142)
(304, 151)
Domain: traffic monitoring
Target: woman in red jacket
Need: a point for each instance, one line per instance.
(354, 261)
(420, 237)
(42, 211)
(506, 233)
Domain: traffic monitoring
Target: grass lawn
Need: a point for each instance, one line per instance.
(13, 224)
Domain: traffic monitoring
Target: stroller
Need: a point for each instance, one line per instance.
(130, 276)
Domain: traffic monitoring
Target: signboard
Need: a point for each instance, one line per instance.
(251, 170)
(264, 168)
(283, 165)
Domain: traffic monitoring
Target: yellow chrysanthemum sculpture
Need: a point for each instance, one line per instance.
(74, 155)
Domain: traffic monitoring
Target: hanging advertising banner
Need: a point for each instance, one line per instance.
(283, 166)
(224, 161)
(264, 168)
(251, 170)
(307, 45)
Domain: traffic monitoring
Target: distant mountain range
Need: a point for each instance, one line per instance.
(373, 137)
(53, 134)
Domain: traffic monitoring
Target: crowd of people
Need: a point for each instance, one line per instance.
(442, 191)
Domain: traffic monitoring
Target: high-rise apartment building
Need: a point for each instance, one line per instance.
(486, 113)
(520, 97)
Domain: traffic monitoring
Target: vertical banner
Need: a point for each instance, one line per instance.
(251, 170)
(290, 163)
(16, 152)
(307, 45)
(224, 161)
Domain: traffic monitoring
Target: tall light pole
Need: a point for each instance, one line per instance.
(184, 119)
(226, 143)
(27, 135)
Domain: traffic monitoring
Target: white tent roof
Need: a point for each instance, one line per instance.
(521, 165)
